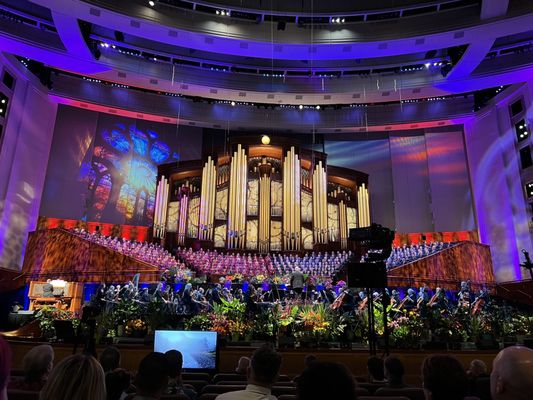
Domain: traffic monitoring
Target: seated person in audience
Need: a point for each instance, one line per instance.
(77, 377)
(394, 370)
(478, 380)
(242, 365)
(5, 367)
(444, 378)
(152, 377)
(325, 380)
(38, 363)
(175, 384)
(477, 369)
(376, 372)
(309, 359)
(262, 374)
(110, 358)
(116, 383)
(512, 374)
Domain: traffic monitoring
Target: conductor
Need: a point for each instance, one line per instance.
(297, 281)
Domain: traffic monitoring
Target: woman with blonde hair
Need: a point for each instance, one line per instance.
(78, 377)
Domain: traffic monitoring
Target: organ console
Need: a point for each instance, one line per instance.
(66, 295)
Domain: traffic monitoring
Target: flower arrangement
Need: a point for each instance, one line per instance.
(199, 322)
(136, 327)
(407, 330)
(48, 314)
(258, 279)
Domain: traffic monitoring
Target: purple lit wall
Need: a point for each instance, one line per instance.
(418, 183)
(106, 165)
(497, 179)
(23, 159)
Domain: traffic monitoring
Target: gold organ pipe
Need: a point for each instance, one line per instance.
(232, 183)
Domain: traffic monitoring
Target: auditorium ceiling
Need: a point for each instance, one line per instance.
(325, 59)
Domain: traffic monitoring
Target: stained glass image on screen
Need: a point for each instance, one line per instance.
(199, 349)
(122, 171)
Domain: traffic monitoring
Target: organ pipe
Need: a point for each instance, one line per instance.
(320, 204)
(363, 206)
(343, 228)
(237, 199)
(161, 203)
(291, 201)
(207, 201)
(265, 170)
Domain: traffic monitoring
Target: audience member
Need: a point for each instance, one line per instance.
(324, 380)
(512, 374)
(116, 383)
(262, 373)
(152, 376)
(5, 367)
(309, 359)
(242, 365)
(394, 370)
(477, 368)
(38, 363)
(175, 384)
(110, 358)
(77, 377)
(376, 373)
(444, 378)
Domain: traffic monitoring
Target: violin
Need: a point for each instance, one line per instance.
(433, 300)
(338, 302)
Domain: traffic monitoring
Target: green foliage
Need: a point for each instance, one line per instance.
(46, 317)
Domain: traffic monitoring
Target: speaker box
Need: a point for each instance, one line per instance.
(366, 275)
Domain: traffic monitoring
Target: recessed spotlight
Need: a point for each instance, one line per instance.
(318, 107)
(233, 104)
(151, 3)
(301, 107)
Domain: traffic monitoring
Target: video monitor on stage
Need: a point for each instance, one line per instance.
(199, 349)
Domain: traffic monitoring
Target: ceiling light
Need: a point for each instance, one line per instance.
(151, 3)
(265, 139)
(301, 107)
(318, 107)
(233, 104)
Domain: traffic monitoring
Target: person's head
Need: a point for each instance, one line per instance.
(152, 375)
(394, 370)
(512, 374)
(309, 359)
(38, 363)
(110, 358)
(264, 366)
(5, 367)
(78, 377)
(242, 365)
(444, 378)
(375, 368)
(175, 363)
(116, 382)
(325, 380)
(477, 368)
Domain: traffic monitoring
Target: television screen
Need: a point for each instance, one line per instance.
(199, 348)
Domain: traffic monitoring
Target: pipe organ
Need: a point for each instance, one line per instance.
(260, 198)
